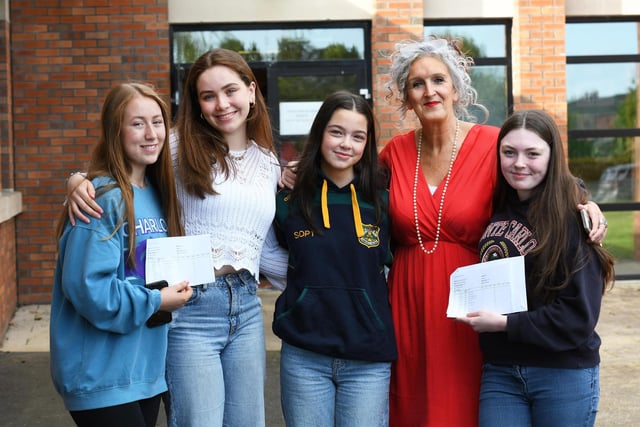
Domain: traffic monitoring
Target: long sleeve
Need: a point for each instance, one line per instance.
(273, 261)
(90, 283)
(567, 323)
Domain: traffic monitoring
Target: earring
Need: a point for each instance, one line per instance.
(201, 116)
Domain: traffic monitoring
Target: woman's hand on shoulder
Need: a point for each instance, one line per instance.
(598, 222)
(288, 176)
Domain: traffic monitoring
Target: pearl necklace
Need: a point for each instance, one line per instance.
(444, 192)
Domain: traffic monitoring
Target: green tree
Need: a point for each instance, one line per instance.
(627, 112)
(232, 43)
(187, 48)
(338, 51)
(294, 49)
(626, 117)
(252, 54)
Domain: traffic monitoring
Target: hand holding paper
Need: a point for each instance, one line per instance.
(495, 285)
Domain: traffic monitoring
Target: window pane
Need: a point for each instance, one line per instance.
(602, 38)
(273, 45)
(491, 84)
(301, 97)
(607, 167)
(480, 41)
(602, 96)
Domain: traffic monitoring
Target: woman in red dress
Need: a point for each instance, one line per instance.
(442, 180)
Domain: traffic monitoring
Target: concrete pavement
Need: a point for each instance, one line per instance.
(27, 397)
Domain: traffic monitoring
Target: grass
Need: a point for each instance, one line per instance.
(620, 235)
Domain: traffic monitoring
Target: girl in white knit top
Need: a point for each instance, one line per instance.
(226, 177)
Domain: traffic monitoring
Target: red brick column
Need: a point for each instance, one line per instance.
(394, 21)
(66, 56)
(539, 58)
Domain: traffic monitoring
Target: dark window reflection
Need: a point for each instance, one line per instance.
(605, 165)
(598, 100)
(302, 44)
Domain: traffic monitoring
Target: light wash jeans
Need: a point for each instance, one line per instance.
(524, 396)
(323, 391)
(216, 356)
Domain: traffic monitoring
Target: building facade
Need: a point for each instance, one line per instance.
(58, 59)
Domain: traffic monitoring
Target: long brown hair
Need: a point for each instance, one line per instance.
(200, 145)
(552, 206)
(371, 178)
(109, 159)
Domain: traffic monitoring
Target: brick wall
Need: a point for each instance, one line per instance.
(8, 288)
(8, 283)
(66, 56)
(539, 58)
(395, 21)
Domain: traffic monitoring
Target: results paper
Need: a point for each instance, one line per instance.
(175, 259)
(497, 285)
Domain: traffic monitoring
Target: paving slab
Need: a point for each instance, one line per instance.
(27, 397)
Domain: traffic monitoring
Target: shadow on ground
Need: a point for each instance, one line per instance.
(28, 399)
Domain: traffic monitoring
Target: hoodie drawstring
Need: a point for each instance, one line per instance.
(356, 212)
(357, 220)
(325, 208)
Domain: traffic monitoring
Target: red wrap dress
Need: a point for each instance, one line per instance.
(436, 379)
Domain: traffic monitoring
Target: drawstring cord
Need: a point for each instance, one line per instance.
(357, 220)
(356, 212)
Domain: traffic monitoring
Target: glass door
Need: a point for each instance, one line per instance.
(296, 91)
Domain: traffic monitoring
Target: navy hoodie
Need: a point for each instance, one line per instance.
(336, 300)
(559, 334)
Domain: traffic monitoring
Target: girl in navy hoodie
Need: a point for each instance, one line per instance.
(334, 316)
(541, 366)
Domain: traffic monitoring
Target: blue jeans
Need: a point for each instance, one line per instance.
(519, 396)
(324, 391)
(216, 356)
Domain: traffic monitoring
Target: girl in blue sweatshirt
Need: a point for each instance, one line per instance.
(334, 317)
(541, 366)
(106, 363)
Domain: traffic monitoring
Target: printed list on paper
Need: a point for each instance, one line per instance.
(495, 285)
(175, 259)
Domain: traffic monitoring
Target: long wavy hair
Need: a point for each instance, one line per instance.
(109, 159)
(552, 206)
(200, 145)
(371, 177)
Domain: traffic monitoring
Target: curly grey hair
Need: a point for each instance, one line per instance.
(447, 51)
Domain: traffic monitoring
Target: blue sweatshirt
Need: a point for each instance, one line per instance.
(102, 352)
(560, 334)
(336, 301)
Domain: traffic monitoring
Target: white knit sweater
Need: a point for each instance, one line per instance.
(239, 218)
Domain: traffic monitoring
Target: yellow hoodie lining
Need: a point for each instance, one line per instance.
(357, 220)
